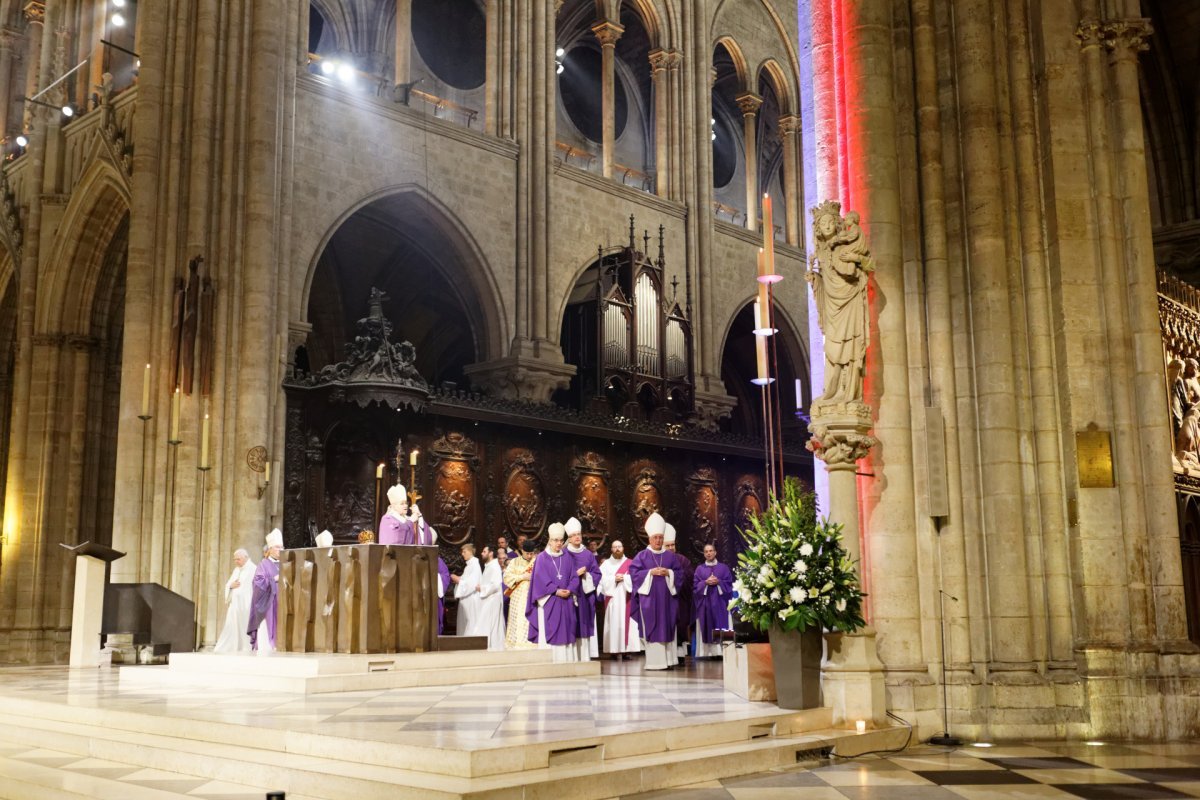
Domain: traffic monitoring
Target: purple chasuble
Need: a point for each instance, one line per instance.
(587, 602)
(658, 611)
(712, 607)
(444, 572)
(264, 603)
(394, 530)
(550, 574)
(684, 595)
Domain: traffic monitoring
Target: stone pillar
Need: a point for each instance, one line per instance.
(851, 673)
(749, 104)
(9, 39)
(789, 130)
(403, 67)
(660, 62)
(608, 33)
(35, 18)
(493, 67)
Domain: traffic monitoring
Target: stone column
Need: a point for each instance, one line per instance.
(493, 67)
(35, 18)
(9, 39)
(608, 33)
(404, 40)
(789, 130)
(749, 104)
(660, 62)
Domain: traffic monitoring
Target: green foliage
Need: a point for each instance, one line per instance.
(795, 574)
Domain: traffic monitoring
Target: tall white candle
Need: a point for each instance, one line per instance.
(204, 443)
(175, 416)
(267, 479)
(146, 392)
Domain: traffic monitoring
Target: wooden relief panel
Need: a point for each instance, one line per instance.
(748, 501)
(703, 506)
(454, 498)
(592, 505)
(524, 494)
(645, 481)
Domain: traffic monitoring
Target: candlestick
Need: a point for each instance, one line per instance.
(204, 428)
(267, 478)
(175, 417)
(145, 394)
(379, 471)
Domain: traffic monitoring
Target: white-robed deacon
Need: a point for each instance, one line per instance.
(490, 619)
(466, 591)
(239, 590)
(621, 634)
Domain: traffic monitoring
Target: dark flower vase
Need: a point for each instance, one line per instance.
(796, 657)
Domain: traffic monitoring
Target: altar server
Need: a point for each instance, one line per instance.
(589, 580)
(466, 591)
(712, 588)
(552, 607)
(516, 578)
(264, 604)
(656, 576)
(490, 622)
(620, 628)
(239, 592)
(684, 621)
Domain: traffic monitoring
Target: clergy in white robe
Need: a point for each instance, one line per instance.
(239, 590)
(467, 591)
(490, 619)
(620, 628)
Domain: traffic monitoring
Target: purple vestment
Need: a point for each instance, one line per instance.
(264, 603)
(444, 572)
(684, 596)
(587, 601)
(658, 611)
(401, 530)
(550, 574)
(712, 607)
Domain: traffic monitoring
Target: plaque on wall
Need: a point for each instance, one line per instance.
(1093, 452)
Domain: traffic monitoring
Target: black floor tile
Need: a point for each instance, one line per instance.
(1040, 762)
(1164, 774)
(973, 777)
(1118, 791)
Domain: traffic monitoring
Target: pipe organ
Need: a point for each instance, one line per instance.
(630, 336)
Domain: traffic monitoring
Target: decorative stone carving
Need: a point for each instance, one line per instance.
(840, 434)
(608, 33)
(1121, 37)
(111, 133)
(839, 271)
(665, 59)
(749, 103)
(35, 12)
(521, 377)
(10, 217)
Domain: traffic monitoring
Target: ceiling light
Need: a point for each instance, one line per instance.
(118, 21)
(328, 66)
(68, 111)
(22, 140)
(559, 53)
(345, 72)
(559, 69)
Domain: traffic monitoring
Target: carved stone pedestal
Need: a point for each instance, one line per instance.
(531, 373)
(852, 679)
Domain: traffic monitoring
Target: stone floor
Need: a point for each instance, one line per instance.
(1021, 771)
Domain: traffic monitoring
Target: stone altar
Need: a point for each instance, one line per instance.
(360, 598)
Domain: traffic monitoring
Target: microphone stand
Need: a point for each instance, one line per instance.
(944, 739)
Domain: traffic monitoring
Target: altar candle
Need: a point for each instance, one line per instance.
(146, 392)
(412, 457)
(204, 443)
(175, 416)
(768, 232)
(379, 472)
(267, 479)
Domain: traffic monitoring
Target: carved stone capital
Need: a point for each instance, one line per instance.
(1088, 33)
(840, 433)
(558, 4)
(608, 33)
(789, 125)
(35, 11)
(664, 59)
(712, 407)
(1125, 38)
(521, 377)
(749, 103)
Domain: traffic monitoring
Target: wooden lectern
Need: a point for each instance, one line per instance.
(87, 615)
(358, 598)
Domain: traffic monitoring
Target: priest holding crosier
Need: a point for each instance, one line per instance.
(656, 574)
(552, 607)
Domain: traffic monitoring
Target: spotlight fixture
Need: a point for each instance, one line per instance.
(345, 72)
(118, 21)
(328, 66)
(558, 61)
(67, 111)
(713, 127)
(22, 140)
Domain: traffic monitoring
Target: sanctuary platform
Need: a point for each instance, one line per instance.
(520, 738)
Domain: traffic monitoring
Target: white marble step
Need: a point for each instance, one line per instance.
(305, 678)
(314, 664)
(588, 776)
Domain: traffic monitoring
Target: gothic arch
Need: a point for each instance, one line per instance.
(771, 72)
(98, 208)
(473, 277)
(781, 30)
(739, 60)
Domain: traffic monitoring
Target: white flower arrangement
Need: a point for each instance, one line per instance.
(795, 574)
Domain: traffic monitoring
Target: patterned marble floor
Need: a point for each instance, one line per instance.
(469, 717)
(1029, 771)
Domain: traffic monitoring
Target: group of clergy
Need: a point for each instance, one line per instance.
(649, 603)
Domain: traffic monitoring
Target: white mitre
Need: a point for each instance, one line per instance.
(655, 524)
(275, 538)
(557, 531)
(324, 539)
(573, 526)
(668, 533)
(397, 495)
